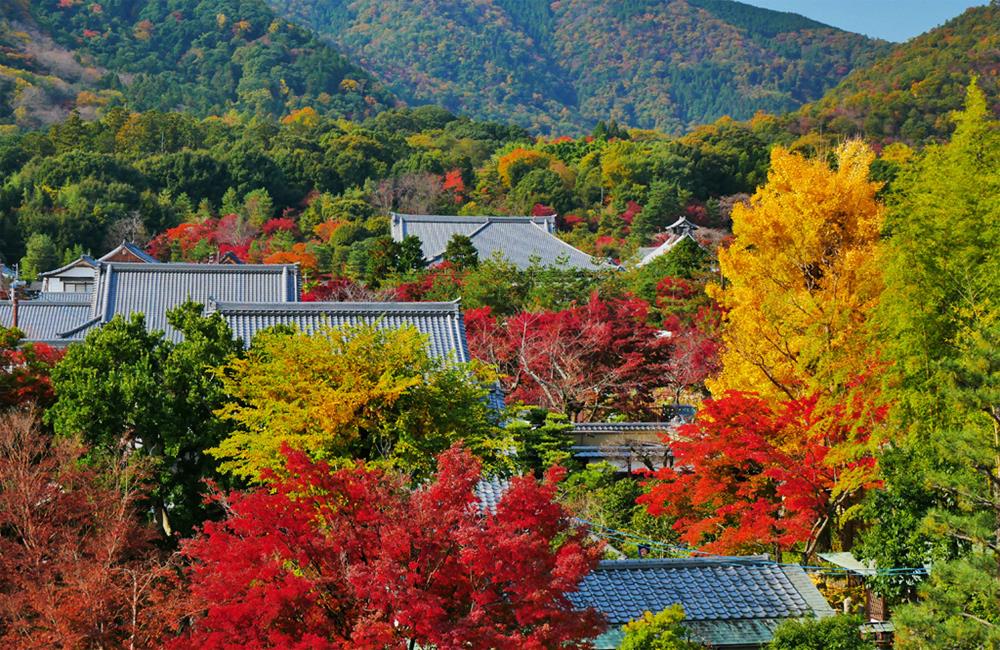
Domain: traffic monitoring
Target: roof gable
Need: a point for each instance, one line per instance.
(520, 240)
(83, 261)
(153, 289)
(128, 252)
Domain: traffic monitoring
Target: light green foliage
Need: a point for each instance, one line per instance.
(125, 388)
(831, 633)
(940, 326)
(542, 439)
(353, 393)
(599, 493)
(41, 256)
(661, 631)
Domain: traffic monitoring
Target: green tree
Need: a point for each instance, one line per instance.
(127, 388)
(660, 631)
(461, 252)
(41, 256)
(542, 439)
(831, 633)
(940, 328)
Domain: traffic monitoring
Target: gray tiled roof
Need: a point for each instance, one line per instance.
(441, 322)
(46, 320)
(518, 239)
(620, 427)
(153, 289)
(490, 490)
(727, 601)
(65, 296)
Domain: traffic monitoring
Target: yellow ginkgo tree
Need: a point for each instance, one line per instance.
(801, 277)
(360, 392)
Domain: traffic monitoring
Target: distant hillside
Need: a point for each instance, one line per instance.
(562, 66)
(201, 56)
(909, 93)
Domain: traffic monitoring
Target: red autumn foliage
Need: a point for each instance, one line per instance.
(25, 371)
(281, 224)
(437, 283)
(338, 290)
(77, 568)
(587, 361)
(454, 183)
(540, 210)
(748, 476)
(631, 209)
(352, 558)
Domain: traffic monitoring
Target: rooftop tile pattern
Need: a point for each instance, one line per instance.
(518, 239)
(727, 601)
(153, 289)
(46, 320)
(490, 491)
(441, 322)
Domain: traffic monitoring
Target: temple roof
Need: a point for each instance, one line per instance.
(520, 240)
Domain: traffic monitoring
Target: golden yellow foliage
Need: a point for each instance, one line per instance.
(349, 393)
(801, 277)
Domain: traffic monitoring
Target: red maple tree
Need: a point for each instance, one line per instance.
(25, 370)
(748, 476)
(586, 361)
(77, 568)
(354, 559)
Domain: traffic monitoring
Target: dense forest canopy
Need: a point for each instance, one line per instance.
(201, 57)
(560, 67)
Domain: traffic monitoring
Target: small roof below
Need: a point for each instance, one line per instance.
(728, 601)
(847, 561)
(521, 240)
(46, 320)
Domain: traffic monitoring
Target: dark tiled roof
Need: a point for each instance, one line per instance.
(441, 322)
(620, 427)
(518, 239)
(46, 320)
(727, 601)
(153, 289)
(490, 491)
(73, 297)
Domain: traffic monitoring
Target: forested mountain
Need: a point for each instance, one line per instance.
(909, 93)
(204, 57)
(560, 67)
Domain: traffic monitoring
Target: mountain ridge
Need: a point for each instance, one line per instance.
(560, 67)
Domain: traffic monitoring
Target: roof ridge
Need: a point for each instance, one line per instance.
(451, 307)
(687, 562)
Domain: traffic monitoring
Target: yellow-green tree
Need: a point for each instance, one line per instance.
(801, 277)
(359, 392)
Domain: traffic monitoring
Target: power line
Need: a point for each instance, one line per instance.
(611, 534)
